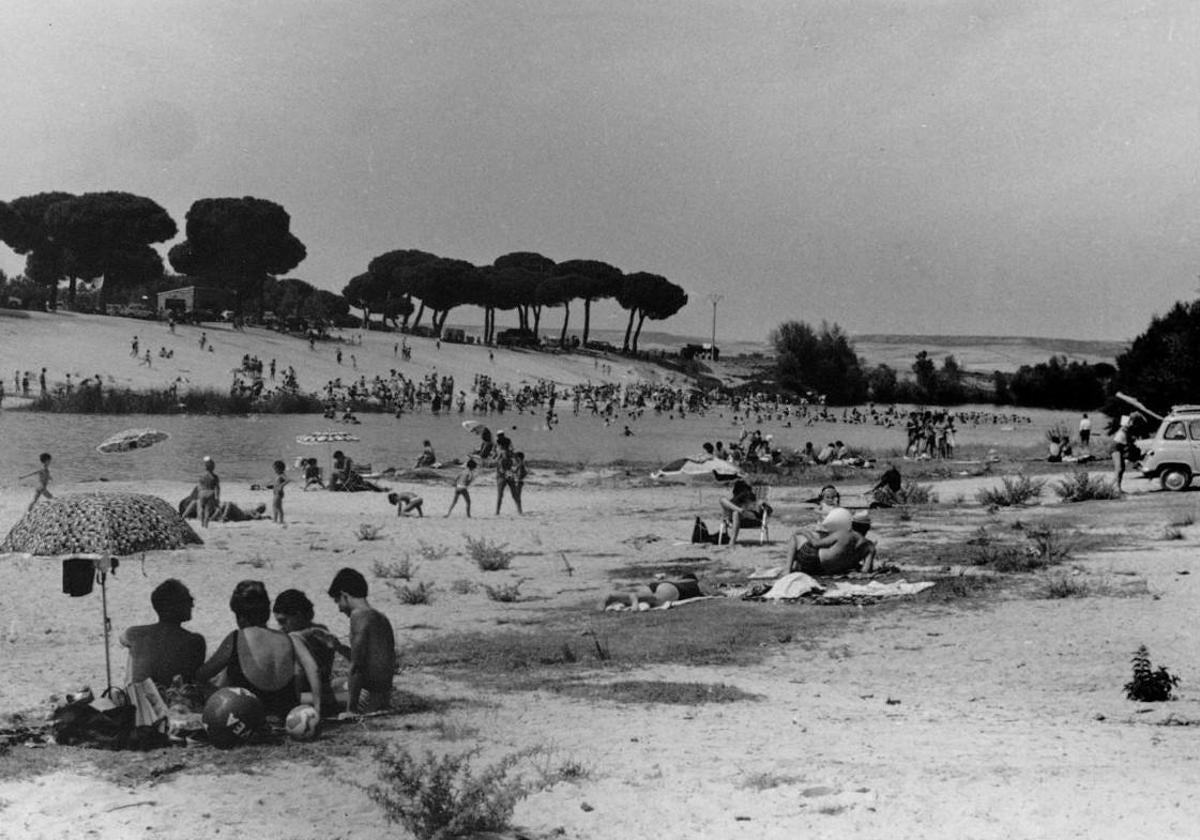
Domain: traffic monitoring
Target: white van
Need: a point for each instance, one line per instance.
(1173, 454)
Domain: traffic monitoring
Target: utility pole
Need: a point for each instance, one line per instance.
(715, 298)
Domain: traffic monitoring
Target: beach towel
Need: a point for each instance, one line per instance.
(842, 592)
(791, 586)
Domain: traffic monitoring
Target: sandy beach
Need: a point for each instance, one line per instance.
(982, 717)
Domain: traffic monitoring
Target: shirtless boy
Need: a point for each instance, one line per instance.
(372, 650)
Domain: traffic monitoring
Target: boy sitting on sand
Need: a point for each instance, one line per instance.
(164, 650)
(294, 615)
(372, 650)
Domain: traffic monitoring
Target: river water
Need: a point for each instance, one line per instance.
(244, 447)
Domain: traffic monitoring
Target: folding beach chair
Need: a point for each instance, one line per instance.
(751, 520)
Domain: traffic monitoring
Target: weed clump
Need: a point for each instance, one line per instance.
(1084, 486)
(431, 552)
(412, 594)
(400, 570)
(914, 493)
(367, 532)
(1149, 685)
(487, 555)
(1012, 492)
(441, 798)
(505, 592)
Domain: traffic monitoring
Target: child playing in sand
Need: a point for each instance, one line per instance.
(281, 480)
(372, 650)
(461, 483)
(406, 503)
(43, 480)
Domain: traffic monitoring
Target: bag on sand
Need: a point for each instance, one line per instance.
(701, 534)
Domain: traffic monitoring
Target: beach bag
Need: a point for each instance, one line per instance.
(79, 574)
(700, 532)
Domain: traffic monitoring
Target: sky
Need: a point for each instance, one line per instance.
(968, 167)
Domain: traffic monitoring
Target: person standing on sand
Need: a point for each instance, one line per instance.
(208, 492)
(506, 476)
(281, 480)
(43, 477)
(1122, 447)
(461, 483)
(1085, 432)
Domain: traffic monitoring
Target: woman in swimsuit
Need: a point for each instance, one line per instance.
(267, 662)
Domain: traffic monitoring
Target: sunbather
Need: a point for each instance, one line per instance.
(657, 593)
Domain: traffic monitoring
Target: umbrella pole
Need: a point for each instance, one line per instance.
(107, 628)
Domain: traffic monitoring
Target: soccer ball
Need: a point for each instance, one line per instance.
(301, 723)
(231, 716)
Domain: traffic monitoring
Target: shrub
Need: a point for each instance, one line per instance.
(431, 552)
(1065, 587)
(506, 592)
(1013, 491)
(420, 593)
(462, 586)
(1149, 685)
(440, 798)
(1083, 486)
(400, 570)
(487, 555)
(367, 532)
(913, 493)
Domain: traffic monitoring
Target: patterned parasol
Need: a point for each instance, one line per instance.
(99, 523)
(131, 439)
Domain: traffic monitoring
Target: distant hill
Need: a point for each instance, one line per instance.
(976, 353)
(980, 353)
(984, 353)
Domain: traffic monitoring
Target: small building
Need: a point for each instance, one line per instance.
(194, 299)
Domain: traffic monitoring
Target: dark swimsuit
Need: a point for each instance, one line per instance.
(278, 702)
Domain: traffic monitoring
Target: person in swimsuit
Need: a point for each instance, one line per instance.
(294, 614)
(658, 592)
(43, 478)
(271, 664)
(208, 492)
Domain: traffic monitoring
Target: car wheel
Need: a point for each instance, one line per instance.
(1176, 478)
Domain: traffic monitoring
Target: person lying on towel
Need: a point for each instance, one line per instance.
(658, 592)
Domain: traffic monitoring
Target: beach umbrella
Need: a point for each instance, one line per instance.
(330, 436)
(97, 529)
(473, 426)
(689, 469)
(131, 439)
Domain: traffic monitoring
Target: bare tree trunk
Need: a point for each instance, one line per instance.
(562, 339)
(587, 319)
(628, 330)
(638, 334)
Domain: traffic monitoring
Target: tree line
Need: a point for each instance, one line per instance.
(822, 361)
(244, 245)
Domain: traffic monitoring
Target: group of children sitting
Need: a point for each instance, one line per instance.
(282, 667)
